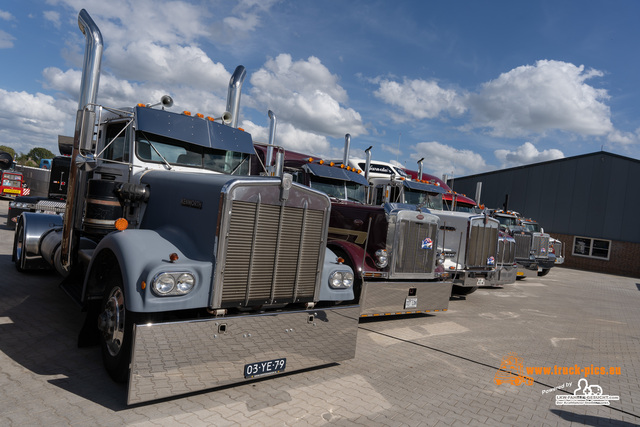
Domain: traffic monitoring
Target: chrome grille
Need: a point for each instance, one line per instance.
(408, 255)
(482, 244)
(506, 251)
(557, 248)
(540, 246)
(523, 245)
(272, 254)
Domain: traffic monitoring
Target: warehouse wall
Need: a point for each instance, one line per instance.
(595, 195)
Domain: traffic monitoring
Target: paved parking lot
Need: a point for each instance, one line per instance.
(415, 370)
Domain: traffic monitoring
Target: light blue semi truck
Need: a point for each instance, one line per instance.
(193, 275)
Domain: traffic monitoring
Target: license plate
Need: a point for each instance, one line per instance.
(11, 190)
(519, 273)
(275, 366)
(481, 282)
(411, 302)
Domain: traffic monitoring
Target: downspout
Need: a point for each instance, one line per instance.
(233, 94)
(83, 136)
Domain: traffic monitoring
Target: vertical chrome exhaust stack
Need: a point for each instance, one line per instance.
(268, 160)
(233, 94)
(367, 165)
(420, 169)
(83, 136)
(347, 147)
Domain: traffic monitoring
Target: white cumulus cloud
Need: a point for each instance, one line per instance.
(442, 158)
(525, 154)
(547, 96)
(420, 99)
(291, 138)
(305, 93)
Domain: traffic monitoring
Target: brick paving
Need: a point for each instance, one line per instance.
(416, 370)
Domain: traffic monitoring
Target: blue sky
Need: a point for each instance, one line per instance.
(471, 86)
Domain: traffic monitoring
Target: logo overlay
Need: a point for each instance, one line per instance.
(586, 394)
(512, 371)
(427, 243)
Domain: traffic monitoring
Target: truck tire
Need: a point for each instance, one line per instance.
(544, 272)
(18, 254)
(116, 328)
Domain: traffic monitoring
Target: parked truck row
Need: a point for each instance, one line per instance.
(202, 258)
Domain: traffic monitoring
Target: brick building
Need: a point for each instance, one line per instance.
(590, 202)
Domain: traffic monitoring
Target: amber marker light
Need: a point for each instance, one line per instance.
(143, 285)
(211, 119)
(332, 164)
(200, 115)
(321, 162)
(310, 160)
(242, 129)
(121, 224)
(186, 113)
(173, 257)
(340, 260)
(142, 105)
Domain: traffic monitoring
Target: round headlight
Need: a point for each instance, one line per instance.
(347, 279)
(164, 283)
(381, 258)
(335, 280)
(185, 283)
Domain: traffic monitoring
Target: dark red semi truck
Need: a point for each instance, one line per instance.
(391, 247)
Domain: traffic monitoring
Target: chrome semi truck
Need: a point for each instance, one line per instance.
(192, 274)
(391, 247)
(469, 242)
(532, 247)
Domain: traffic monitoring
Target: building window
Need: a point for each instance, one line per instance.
(591, 248)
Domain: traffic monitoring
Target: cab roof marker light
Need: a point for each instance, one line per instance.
(140, 104)
(200, 115)
(310, 160)
(211, 119)
(186, 113)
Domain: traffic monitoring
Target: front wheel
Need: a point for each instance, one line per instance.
(544, 272)
(116, 328)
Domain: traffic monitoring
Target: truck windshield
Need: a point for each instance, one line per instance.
(11, 180)
(428, 200)
(156, 149)
(342, 190)
(464, 208)
(508, 221)
(531, 226)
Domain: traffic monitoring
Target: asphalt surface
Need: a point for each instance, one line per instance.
(415, 370)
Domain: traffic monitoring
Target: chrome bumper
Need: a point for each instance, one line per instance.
(170, 359)
(387, 298)
(504, 275)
